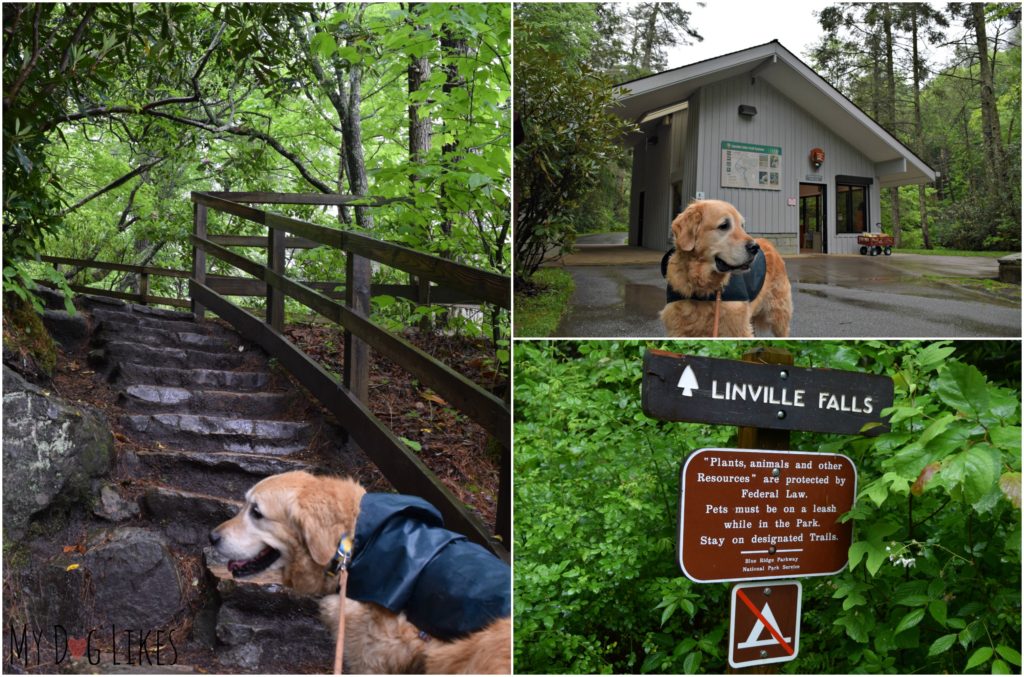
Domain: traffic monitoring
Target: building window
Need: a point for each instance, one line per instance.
(851, 208)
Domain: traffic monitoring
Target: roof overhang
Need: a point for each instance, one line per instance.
(895, 164)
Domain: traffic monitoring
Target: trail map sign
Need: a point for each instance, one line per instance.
(764, 626)
(746, 165)
(748, 514)
(708, 390)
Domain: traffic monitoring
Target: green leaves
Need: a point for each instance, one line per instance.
(979, 657)
(974, 471)
(941, 645)
(323, 45)
(875, 547)
(963, 387)
(909, 621)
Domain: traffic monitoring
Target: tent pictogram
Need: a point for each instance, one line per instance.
(767, 627)
(765, 623)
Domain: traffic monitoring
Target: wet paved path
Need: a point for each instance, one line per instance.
(833, 296)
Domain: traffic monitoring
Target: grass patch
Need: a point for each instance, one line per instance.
(538, 310)
(994, 287)
(952, 252)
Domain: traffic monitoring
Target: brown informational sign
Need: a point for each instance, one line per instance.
(730, 392)
(750, 514)
(764, 625)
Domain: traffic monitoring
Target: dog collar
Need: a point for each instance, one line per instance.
(741, 287)
(342, 557)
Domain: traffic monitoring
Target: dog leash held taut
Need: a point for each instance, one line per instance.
(338, 566)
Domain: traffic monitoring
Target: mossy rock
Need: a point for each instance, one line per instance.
(28, 346)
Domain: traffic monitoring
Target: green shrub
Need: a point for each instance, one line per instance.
(934, 577)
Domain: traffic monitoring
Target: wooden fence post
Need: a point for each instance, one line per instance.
(357, 353)
(143, 287)
(199, 255)
(275, 261)
(423, 298)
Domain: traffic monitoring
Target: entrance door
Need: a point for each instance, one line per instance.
(813, 237)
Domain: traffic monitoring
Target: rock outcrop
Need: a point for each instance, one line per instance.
(52, 450)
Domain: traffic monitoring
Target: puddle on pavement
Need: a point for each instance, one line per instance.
(645, 300)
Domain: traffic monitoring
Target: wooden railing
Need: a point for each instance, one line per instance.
(438, 281)
(144, 272)
(348, 399)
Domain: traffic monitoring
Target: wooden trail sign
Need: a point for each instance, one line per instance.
(729, 392)
(752, 514)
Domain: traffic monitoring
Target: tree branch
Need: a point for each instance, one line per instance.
(112, 185)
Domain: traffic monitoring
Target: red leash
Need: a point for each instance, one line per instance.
(718, 309)
(338, 566)
(339, 646)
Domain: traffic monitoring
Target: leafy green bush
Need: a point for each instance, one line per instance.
(934, 577)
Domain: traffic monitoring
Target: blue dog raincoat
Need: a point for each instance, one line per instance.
(405, 560)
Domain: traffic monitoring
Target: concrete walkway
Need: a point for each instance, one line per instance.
(619, 291)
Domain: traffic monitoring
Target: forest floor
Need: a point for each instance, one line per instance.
(453, 446)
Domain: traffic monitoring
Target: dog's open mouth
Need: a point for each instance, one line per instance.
(248, 567)
(724, 267)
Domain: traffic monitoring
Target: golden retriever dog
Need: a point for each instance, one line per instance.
(712, 254)
(292, 523)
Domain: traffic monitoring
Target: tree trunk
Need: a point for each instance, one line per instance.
(420, 131)
(420, 128)
(352, 136)
(917, 67)
(648, 38)
(995, 166)
(890, 109)
(453, 49)
(344, 216)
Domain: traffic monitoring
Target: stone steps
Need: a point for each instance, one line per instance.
(221, 474)
(133, 373)
(159, 399)
(214, 433)
(149, 321)
(200, 408)
(91, 302)
(263, 626)
(112, 330)
(180, 358)
(186, 516)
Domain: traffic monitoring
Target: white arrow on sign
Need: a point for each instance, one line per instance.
(688, 381)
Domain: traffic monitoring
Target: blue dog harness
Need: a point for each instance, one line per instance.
(405, 560)
(742, 286)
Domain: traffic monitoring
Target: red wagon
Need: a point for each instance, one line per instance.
(876, 243)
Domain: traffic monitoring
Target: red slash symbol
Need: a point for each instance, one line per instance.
(771, 628)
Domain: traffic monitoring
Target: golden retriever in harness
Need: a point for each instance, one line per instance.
(293, 523)
(720, 278)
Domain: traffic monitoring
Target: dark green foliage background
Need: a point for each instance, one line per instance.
(934, 579)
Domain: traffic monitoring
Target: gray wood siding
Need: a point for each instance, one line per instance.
(689, 156)
(637, 185)
(779, 122)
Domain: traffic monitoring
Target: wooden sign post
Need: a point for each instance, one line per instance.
(761, 512)
(765, 438)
